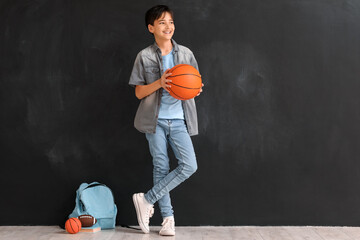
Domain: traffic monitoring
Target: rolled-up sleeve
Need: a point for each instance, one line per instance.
(137, 76)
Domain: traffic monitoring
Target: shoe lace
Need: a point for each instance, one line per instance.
(168, 224)
(149, 214)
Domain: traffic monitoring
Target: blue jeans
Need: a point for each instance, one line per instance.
(173, 132)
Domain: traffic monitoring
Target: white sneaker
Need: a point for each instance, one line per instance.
(144, 211)
(168, 228)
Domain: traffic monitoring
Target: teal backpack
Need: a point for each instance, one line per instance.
(97, 200)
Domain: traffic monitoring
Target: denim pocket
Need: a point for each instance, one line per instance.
(152, 74)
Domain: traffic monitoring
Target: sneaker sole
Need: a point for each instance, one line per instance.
(138, 214)
(167, 234)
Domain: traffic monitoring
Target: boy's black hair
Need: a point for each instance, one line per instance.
(155, 13)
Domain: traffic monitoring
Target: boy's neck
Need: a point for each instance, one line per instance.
(165, 46)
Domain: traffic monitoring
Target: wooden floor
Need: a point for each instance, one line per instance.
(188, 233)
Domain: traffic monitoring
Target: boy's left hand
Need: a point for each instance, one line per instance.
(200, 89)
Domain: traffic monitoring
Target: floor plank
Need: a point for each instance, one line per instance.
(331, 233)
(186, 233)
(302, 233)
(353, 232)
(274, 233)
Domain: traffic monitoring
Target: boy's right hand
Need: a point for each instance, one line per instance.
(164, 81)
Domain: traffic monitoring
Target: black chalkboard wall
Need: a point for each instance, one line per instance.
(279, 140)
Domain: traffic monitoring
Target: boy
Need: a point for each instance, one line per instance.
(164, 119)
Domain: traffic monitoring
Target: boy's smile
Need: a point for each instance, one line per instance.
(163, 28)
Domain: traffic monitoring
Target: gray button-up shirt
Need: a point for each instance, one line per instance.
(147, 69)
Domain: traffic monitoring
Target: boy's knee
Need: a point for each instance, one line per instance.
(189, 170)
(194, 168)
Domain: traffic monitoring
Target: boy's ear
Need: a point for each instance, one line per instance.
(151, 28)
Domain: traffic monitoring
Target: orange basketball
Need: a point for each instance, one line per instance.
(73, 225)
(186, 82)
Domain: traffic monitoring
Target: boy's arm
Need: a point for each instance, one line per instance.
(142, 91)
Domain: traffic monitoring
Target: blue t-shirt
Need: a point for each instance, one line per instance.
(170, 107)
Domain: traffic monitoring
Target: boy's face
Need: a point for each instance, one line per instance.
(163, 28)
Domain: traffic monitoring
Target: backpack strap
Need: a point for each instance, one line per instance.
(94, 184)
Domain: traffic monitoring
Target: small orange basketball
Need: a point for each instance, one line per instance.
(73, 225)
(186, 82)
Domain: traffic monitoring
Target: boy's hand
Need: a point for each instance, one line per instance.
(200, 89)
(164, 82)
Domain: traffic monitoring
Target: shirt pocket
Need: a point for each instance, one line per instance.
(152, 74)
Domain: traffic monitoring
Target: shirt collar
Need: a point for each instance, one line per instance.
(175, 46)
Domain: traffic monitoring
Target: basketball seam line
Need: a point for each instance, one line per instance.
(71, 224)
(183, 86)
(177, 95)
(184, 74)
(78, 225)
